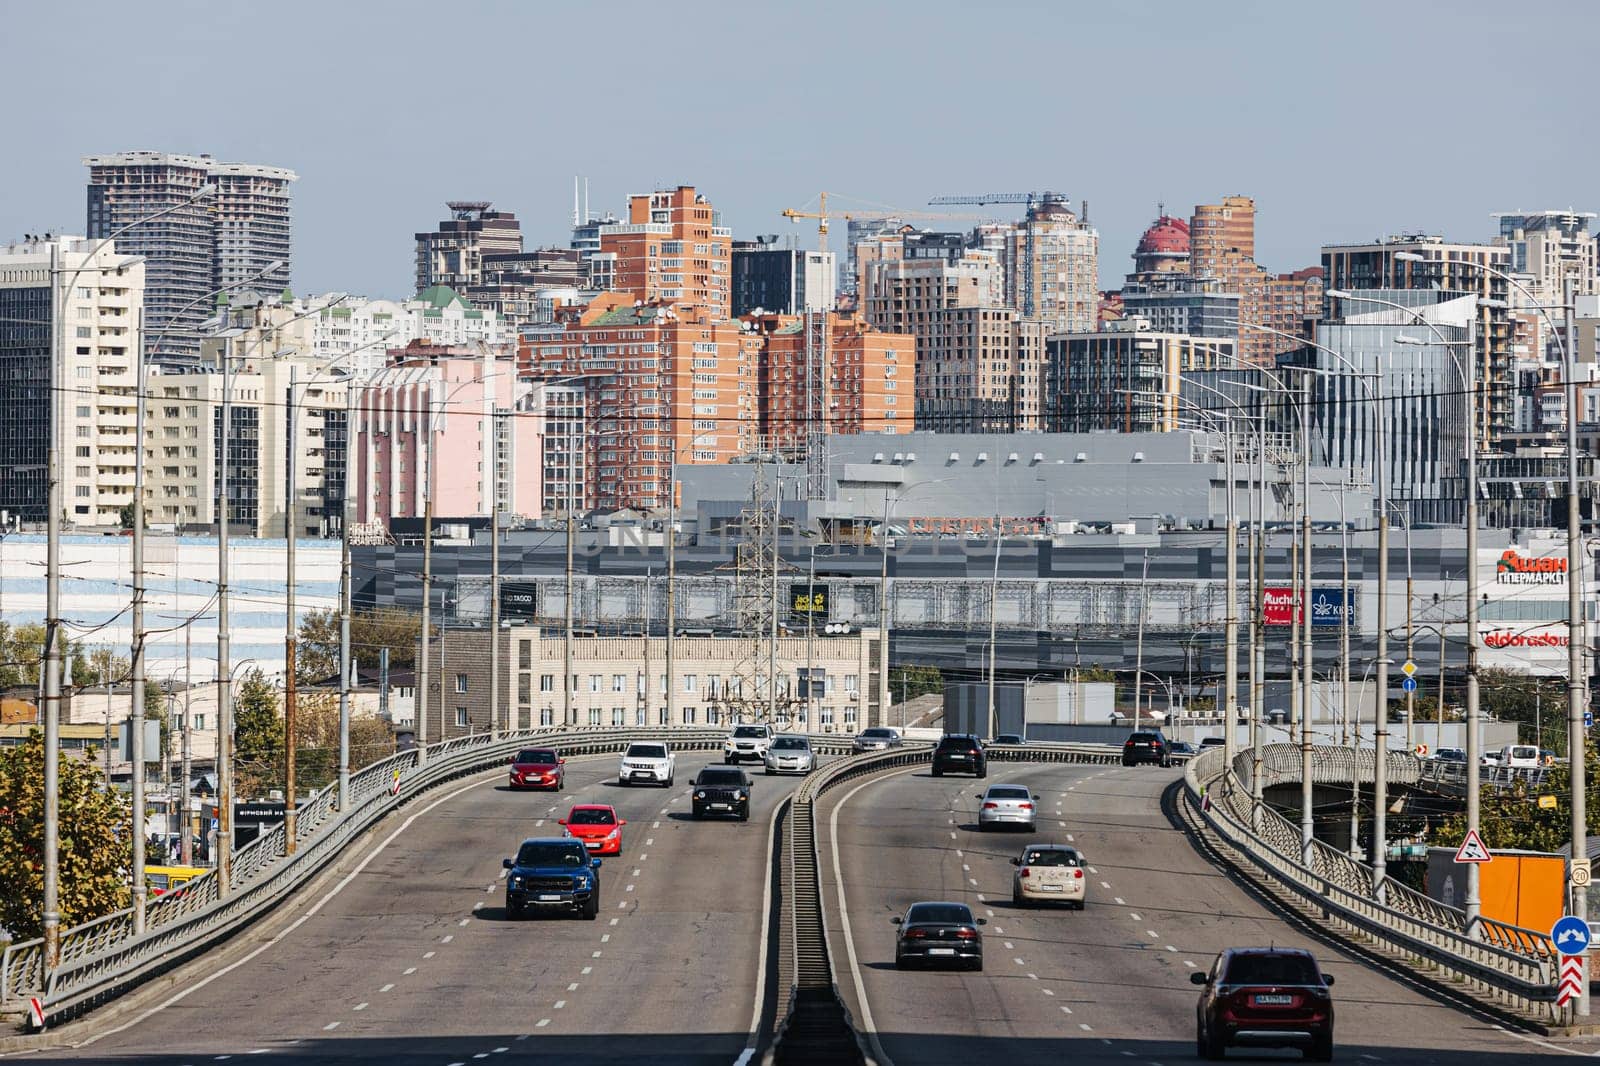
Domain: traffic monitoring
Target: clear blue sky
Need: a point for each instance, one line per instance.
(1343, 120)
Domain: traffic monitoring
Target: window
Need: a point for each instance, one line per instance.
(525, 656)
(524, 719)
(688, 682)
(594, 716)
(461, 717)
(713, 684)
(850, 718)
(826, 715)
(461, 683)
(547, 716)
(524, 688)
(640, 716)
(547, 682)
(851, 683)
(619, 716)
(713, 716)
(199, 723)
(617, 683)
(661, 717)
(688, 716)
(594, 684)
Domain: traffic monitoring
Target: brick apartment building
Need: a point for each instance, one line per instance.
(672, 249)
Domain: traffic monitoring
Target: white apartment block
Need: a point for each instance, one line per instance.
(101, 298)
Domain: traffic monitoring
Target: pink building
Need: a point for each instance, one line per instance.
(471, 396)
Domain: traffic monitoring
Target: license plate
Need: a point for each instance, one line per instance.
(719, 806)
(941, 951)
(591, 843)
(1272, 1001)
(1048, 888)
(549, 899)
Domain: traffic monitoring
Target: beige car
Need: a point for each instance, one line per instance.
(1049, 873)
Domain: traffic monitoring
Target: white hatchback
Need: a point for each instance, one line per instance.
(647, 764)
(1049, 873)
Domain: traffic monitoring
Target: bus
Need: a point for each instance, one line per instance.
(163, 879)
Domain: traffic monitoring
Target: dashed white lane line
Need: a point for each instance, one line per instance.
(573, 987)
(429, 954)
(477, 905)
(330, 1027)
(1065, 1009)
(1153, 935)
(1105, 884)
(628, 889)
(655, 825)
(1096, 872)
(1070, 839)
(594, 955)
(973, 881)
(387, 988)
(463, 923)
(1119, 899)
(540, 822)
(960, 854)
(1031, 976)
(1171, 948)
(360, 1006)
(409, 971)
(587, 970)
(663, 810)
(541, 1023)
(952, 836)
(968, 869)
(1047, 991)
(1135, 917)
(641, 859)
(1189, 964)
(447, 938)
(623, 905)
(605, 938)
(490, 887)
(560, 1003)
(1085, 1027)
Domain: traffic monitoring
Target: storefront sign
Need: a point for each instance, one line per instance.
(1330, 607)
(1514, 568)
(1278, 607)
(809, 599)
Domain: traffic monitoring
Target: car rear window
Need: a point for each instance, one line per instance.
(537, 756)
(1008, 792)
(1271, 970)
(1050, 857)
(591, 817)
(954, 913)
(956, 742)
(1521, 752)
(647, 751)
(1146, 738)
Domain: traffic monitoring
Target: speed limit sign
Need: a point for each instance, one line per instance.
(1580, 873)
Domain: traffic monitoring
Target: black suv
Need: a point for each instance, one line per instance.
(960, 753)
(1146, 746)
(722, 790)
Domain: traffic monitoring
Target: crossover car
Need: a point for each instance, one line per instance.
(960, 753)
(790, 755)
(597, 826)
(1007, 806)
(723, 790)
(747, 742)
(538, 768)
(1183, 749)
(938, 933)
(1264, 998)
(876, 738)
(1007, 740)
(553, 874)
(1049, 873)
(647, 763)
(1146, 746)
(1212, 742)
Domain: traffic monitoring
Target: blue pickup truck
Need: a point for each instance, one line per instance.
(552, 873)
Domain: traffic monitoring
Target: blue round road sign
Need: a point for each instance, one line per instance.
(1570, 935)
(1409, 684)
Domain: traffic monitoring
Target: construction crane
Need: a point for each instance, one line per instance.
(1032, 200)
(822, 215)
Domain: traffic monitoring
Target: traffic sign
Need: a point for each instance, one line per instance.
(1472, 849)
(1578, 872)
(1571, 984)
(215, 825)
(1570, 935)
(394, 784)
(1588, 719)
(1421, 751)
(1409, 668)
(1409, 684)
(36, 1012)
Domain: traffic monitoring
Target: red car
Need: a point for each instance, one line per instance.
(597, 825)
(1264, 997)
(538, 768)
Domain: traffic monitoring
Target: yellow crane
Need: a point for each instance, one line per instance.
(822, 215)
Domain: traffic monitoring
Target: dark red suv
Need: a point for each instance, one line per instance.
(1265, 998)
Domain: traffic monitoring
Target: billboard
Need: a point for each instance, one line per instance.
(1515, 568)
(1332, 606)
(519, 599)
(809, 599)
(1278, 607)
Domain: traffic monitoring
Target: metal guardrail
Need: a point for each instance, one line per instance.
(1281, 764)
(103, 957)
(1450, 777)
(816, 1026)
(1504, 963)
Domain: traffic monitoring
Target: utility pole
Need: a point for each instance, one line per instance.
(1473, 899)
(1307, 824)
(1380, 770)
(52, 630)
(290, 701)
(1258, 666)
(1230, 685)
(492, 448)
(186, 839)
(136, 686)
(1577, 746)
(1138, 657)
(649, 572)
(421, 710)
(772, 643)
(566, 646)
(224, 856)
(994, 632)
(672, 603)
(883, 623)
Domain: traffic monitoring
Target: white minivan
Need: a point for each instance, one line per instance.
(1518, 757)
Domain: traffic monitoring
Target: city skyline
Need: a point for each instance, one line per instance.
(353, 233)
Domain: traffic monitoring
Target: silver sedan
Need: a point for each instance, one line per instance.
(1007, 805)
(790, 755)
(877, 738)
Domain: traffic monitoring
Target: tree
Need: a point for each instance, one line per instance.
(1513, 818)
(908, 681)
(95, 851)
(1531, 702)
(317, 739)
(1097, 673)
(22, 656)
(257, 735)
(317, 656)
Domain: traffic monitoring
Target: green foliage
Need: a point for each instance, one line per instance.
(907, 682)
(1537, 704)
(317, 739)
(1512, 817)
(95, 852)
(1096, 673)
(257, 734)
(22, 656)
(317, 655)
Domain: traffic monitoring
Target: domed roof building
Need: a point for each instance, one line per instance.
(1164, 248)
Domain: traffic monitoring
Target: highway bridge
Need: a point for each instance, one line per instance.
(402, 953)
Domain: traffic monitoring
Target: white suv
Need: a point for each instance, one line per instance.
(747, 742)
(652, 762)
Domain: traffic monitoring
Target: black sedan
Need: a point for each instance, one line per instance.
(933, 933)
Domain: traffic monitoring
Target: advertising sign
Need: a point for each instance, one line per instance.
(1331, 606)
(1278, 607)
(519, 599)
(809, 599)
(1515, 568)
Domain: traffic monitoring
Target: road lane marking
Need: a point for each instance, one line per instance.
(463, 923)
(655, 825)
(387, 988)
(641, 858)
(330, 1027)
(1085, 1027)
(429, 954)
(1153, 934)
(359, 1006)
(1019, 962)
(1010, 946)
(614, 921)
(606, 939)
(1120, 902)
(560, 1003)
(1096, 872)
(587, 970)
(409, 971)
(628, 889)
(573, 987)
(447, 939)
(1047, 991)
(1065, 1009)
(1135, 917)
(541, 1023)
(1105, 884)
(595, 955)
(1171, 948)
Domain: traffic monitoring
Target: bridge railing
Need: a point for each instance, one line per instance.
(102, 957)
(1501, 962)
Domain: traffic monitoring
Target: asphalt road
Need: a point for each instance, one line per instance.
(413, 961)
(1106, 984)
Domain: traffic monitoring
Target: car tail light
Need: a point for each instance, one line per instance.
(1026, 806)
(972, 751)
(916, 934)
(991, 806)
(1077, 874)
(966, 934)
(1024, 872)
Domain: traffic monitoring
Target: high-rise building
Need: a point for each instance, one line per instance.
(1129, 378)
(1442, 268)
(227, 240)
(672, 249)
(785, 281)
(1548, 246)
(1064, 273)
(1222, 245)
(99, 327)
(453, 254)
(866, 381)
